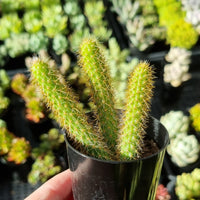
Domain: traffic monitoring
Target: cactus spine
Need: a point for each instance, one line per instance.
(139, 94)
(92, 60)
(64, 104)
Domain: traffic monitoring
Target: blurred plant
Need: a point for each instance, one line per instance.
(2, 124)
(179, 32)
(43, 168)
(120, 69)
(17, 44)
(10, 24)
(54, 20)
(177, 71)
(182, 34)
(32, 21)
(35, 108)
(3, 55)
(45, 164)
(48, 142)
(192, 9)
(72, 8)
(162, 193)
(45, 4)
(176, 122)
(6, 138)
(4, 101)
(12, 148)
(184, 149)
(187, 185)
(4, 80)
(20, 151)
(9, 6)
(60, 44)
(4, 85)
(19, 83)
(76, 37)
(95, 13)
(38, 41)
(195, 116)
(140, 21)
(31, 4)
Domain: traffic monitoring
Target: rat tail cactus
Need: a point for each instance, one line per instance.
(95, 67)
(139, 94)
(105, 138)
(67, 110)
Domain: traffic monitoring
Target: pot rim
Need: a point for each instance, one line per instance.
(164, 146)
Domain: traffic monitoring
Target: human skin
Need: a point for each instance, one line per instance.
(57, 188)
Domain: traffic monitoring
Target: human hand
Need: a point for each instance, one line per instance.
(57, 188)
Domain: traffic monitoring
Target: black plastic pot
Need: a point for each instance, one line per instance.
(97, 179)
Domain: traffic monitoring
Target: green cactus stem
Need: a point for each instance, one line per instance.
(92, 60)
(67, 110)
(135, 117)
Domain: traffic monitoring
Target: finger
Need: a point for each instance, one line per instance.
(57, 188)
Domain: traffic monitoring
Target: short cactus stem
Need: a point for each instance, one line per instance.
(135, 117)
(67, 110)
(95, 66)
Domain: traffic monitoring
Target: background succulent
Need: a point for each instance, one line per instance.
(184, 149)
(43, 168)
(17, 45)
(32, 21)
(54, 20)
(120, 67)
(162, 193)
(20, 151)
(60, 44)
(38, 41)
(176, 122)
(195, 116)
(140, 21)
(45, 162)
(10, 23)
(188, 184)
(95, 13)
(192, 9)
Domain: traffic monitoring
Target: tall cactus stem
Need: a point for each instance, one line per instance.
(95, 66)
(67, 110)
(135, 117)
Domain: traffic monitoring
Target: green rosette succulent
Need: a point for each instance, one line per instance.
(32, 21)
(184, 150)
(176, 122)
(187, 185)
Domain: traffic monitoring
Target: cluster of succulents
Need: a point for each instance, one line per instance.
(188, 184)
(140, 21)
(45, 163)
(4, 85)
(184, 148)
(195, 117)
(35, 109)
(180, 33)
(192, 9)
(13, 149)
(176, 71)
